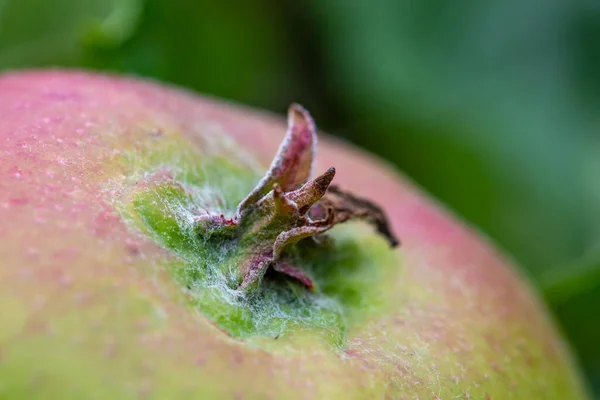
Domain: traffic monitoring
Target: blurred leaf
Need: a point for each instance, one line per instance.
(236, 51)
(573, 290)
(40, 32)
(479, 101)
(564, 283)
(118, 25)
(577, 313)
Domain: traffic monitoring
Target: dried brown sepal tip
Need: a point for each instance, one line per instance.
(287, 206)
(348, 206)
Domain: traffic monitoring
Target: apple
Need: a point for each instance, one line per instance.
(149, 251)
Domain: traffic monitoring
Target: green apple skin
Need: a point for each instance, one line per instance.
(91, 309)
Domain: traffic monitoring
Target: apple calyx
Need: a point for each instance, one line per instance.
(285, 207)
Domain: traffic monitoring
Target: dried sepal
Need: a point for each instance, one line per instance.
(312, 191)
(287, 206)
(294, 272)
(294, 235)
(253, 271)
(292, 166)
(283, 204)
(348, 206)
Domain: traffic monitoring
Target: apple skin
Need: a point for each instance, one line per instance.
(90, 310)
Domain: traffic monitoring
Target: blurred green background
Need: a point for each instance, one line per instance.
(491, 105)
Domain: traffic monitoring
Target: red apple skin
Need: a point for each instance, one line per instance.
(89, 309)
